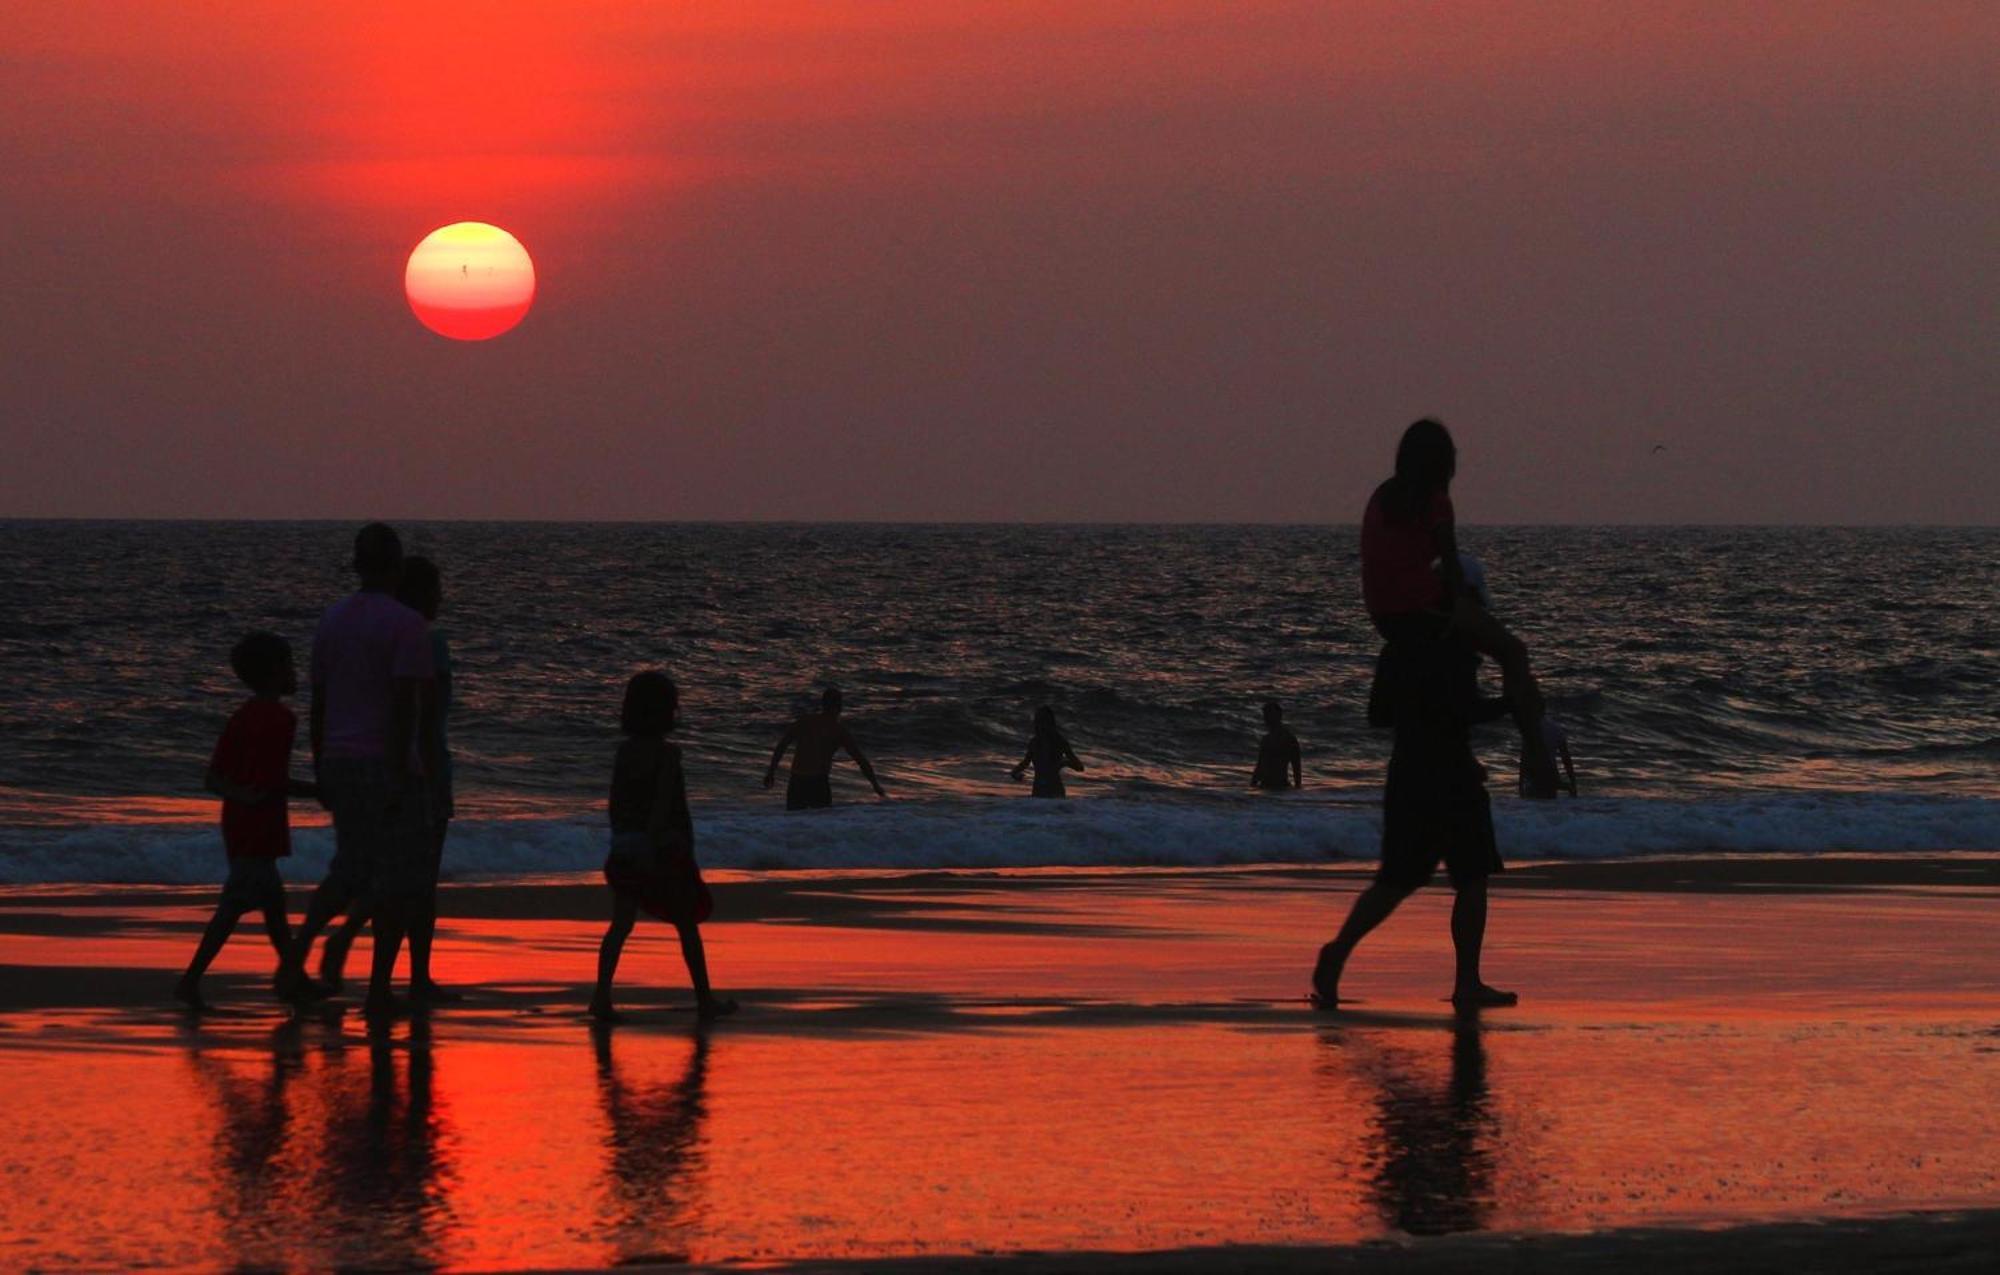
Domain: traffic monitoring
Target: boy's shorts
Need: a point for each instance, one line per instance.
(382, 848)
(254, 886)
(1417, 836)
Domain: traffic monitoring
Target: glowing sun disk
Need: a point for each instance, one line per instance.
(469, 281)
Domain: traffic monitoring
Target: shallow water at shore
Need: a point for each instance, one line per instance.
(1042, 1061)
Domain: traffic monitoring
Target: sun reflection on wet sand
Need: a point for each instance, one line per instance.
(1059, 1062)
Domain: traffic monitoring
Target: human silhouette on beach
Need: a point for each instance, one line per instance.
(250, 770)
(1049, 753)
(1414, 585)
(420, 587)
(371, 658)
(1434, 807)
(651, 866)
(817, 737)
(1279, 763)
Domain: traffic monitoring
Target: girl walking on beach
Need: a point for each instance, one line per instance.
(651, 866)
(1050, 754)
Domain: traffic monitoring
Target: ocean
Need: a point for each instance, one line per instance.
(1795, 690)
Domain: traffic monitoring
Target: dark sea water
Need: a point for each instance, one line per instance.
(1733, 689)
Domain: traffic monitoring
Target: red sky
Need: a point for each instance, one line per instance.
(1036, 261)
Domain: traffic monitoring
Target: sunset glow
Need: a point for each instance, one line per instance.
(470, 281)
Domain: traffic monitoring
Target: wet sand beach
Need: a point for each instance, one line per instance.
(1730, 1062)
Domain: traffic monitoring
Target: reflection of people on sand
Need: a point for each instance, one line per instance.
(1434, 1170)
(419, 587)
(1279, 764)
(255, 1162)
(1049, 753)
(651, 865)
(1434, 807)
(322, 1166)
(818, 736)
(653, 1140)
(386, 1171)
(1414, 584)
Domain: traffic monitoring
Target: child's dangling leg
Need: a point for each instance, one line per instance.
(1517, 680)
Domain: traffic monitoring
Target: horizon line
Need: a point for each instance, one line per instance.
(350, 520)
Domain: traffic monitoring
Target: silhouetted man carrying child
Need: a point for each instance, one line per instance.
(1434, 808)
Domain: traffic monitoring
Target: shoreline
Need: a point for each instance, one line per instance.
(1038, 1070)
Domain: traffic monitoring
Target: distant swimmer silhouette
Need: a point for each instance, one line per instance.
(1434, 808)
(651, 866)
(1050, 754)
(817, 737)
(1279, 765)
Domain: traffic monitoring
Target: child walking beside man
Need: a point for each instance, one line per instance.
(251, 771)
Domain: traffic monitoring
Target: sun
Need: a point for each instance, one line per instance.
(469, 281)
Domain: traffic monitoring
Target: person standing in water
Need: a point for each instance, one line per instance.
(817, 736)
(1279, 763)
(1049, 753)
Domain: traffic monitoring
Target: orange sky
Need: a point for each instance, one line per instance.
(1120, 261)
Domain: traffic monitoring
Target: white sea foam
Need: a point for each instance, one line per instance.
(1083, 833)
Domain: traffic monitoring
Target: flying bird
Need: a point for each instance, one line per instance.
(1658, 448)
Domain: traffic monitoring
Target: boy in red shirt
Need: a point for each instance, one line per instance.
(250, 771)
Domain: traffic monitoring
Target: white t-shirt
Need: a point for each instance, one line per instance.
(364, 643)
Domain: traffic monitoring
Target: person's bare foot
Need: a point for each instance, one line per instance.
(713, 1008)
(600, 1009)
(1483, 997)
(1326, 980)
(382, 1007)
(333, 962)
(189, 995)
(434, 993)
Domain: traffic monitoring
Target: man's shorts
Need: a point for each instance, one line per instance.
(382, 839)
(808, 792)
(1418, 835)
(254, 886)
